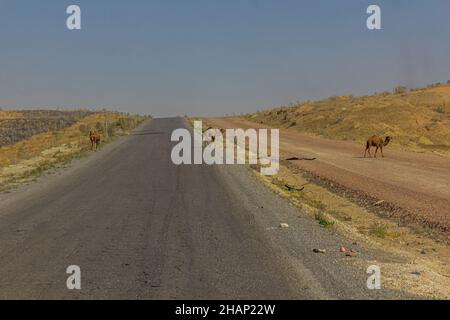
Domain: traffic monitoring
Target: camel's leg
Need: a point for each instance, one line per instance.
(368, 150)
(376, 152)
(92, 145)
(381, 149)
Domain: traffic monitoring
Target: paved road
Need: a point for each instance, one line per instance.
(141, 227)
(417, 183)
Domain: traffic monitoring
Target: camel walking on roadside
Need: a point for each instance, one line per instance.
(95, 139)
(378, 143)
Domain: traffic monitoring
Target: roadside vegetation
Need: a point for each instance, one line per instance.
(418, 120)
(33, 142)
(17, 126)
(410, 259)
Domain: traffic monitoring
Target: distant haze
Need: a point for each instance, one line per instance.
(204, 57)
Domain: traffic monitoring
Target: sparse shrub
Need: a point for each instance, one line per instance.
(99, 127)
(340, 215)
(125, 123)
(111, 130)
(57, 135)
(22, 152)
(323, 221)
(400, 90)
(379, 230)
(440, 109)
(84, 129)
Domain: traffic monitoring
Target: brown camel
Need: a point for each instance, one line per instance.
(378, 142)
(95, 139)
(213, 137)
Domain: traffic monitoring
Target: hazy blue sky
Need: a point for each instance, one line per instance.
(215, 57)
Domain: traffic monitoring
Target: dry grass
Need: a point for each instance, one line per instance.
(418, 120)
(25, 160)
(410, 262)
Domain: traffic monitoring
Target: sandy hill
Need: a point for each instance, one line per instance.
(418, 120)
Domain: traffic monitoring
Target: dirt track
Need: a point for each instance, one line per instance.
(416, 187)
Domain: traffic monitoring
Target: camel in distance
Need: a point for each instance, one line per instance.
(213, 137)
(378, 143)
(95, 139)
